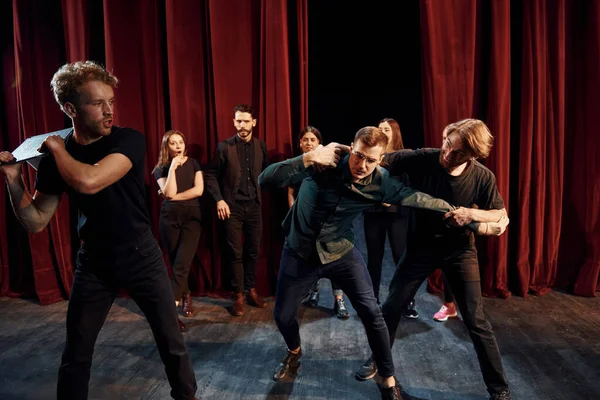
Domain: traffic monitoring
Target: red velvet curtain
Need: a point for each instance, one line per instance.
(543, 148)
(38, 36)
(466, 73)
(182, 64)
(579, 247)
(530, 70)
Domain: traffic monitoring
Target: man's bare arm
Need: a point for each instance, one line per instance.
(33, 212)
(463, 216)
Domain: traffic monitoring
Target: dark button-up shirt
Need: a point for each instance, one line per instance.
(327, 203)
(246, 190)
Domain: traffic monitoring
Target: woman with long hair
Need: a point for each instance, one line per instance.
(181, 184)
(308, 139)
(387, 220)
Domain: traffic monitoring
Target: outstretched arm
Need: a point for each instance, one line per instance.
(294, 170)
(491, 222)
(396, 192)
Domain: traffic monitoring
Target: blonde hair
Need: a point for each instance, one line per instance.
(163, 156)
(475, 135)
(69, 78)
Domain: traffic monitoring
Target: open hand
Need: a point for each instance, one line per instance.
(326, 156)
(223, 211)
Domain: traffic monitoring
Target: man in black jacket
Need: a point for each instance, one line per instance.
(232, 180)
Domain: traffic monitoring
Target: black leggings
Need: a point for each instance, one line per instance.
(448, 295)
(377, 225)
(179, 228)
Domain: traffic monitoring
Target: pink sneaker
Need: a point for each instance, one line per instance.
(448, 310)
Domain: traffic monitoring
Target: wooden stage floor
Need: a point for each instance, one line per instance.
(550, 347)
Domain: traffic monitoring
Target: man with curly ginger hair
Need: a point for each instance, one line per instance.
(101, 167)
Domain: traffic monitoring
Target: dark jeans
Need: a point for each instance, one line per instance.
(377, 226)
(462, 271)
(139, 269)
(242, 255)
(296, 275)
(179, 227)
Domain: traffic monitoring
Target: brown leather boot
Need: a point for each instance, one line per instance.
(254, 299)
(237, 309)
(186, 305)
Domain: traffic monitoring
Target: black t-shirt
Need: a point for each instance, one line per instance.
(117, 214)
(475, 187)
(185, 176)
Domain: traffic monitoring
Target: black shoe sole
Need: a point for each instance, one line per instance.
(364, 378)
(292, 371)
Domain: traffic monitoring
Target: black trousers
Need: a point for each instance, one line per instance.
(448, 295)
(377, 226)
(243, 230)
(462, 271)
(139, 269)
(296, 275)
(179, 227)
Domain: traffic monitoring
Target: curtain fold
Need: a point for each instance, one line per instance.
(38, 35)
(541, 145)
(579, 252)
(466, 74)
(76, 15)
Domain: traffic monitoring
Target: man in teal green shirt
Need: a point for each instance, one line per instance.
(320, 240)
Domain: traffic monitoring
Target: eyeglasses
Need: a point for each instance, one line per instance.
(369, 161)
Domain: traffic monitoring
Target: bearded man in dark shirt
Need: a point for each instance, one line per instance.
(451, 173)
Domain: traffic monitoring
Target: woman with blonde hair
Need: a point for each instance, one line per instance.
(181, 184)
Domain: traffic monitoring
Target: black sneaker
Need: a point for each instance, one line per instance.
(503, 395)
(311, 299)
(340, 310)
(367, 370)
(391, 393)
(410, 311)
(291, 361)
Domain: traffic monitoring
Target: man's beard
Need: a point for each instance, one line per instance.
(97, 128)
